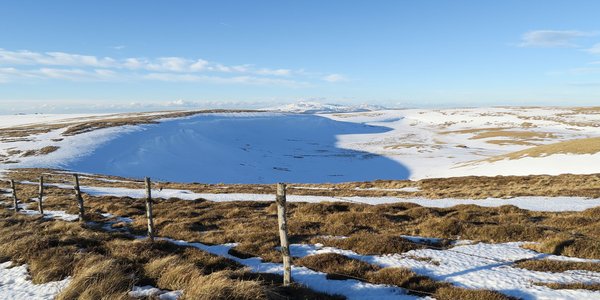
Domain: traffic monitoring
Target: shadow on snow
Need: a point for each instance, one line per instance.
(242, 148)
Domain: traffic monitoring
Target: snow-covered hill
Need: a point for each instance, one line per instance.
(366, 145)
(320, 108)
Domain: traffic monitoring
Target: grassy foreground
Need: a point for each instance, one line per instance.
(107, 264)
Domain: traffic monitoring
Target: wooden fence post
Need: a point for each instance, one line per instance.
(41, 195)
(149, 210)
(79, 198)
(14, 195)
(282, 224)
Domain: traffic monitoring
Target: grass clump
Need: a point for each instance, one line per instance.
(218, 285)
(337, 266)
(549, 265)
(99, 277)
(371, 244)
(571, 286)
(453, 293)
(568, 246)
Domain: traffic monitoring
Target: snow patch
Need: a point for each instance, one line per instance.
(15, 283)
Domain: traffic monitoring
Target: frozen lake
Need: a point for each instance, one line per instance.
(241, 148)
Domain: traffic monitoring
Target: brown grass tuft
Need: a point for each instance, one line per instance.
(571, 286)
(371, 244)
(219, 286)
(453, 293)
(336, 266)
(98, 277)
(549, 265)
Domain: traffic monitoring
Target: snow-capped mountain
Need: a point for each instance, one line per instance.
(310, 107)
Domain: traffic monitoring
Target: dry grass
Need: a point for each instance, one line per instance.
(569, 245)
(548, 265)
(99, 277)
(513, 134)
(41, 151)
(220, 286)
(337, 266)
(571, 286)
(341, 267)
(512, 142)
(472, 187)
(53, 248)
(474, 130)
(371, 244)
(105, 265)
(579, 146)
(453, 293)
(370, 229)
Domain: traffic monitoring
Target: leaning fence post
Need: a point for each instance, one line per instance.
(14, 195)
(282, 224)
(79, 199)
(41, 196)
(149, 210)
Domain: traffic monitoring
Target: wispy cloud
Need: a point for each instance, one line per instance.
(335, 78)
(553, 38)
(252, 80)
(70, 66)
(595, 49)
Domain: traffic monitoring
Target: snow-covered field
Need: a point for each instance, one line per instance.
(334, 147)
(530, 203)
(467, 264)
(478, 266)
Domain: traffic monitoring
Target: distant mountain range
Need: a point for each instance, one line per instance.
(310, 107)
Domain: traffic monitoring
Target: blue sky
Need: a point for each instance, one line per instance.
(134, 55)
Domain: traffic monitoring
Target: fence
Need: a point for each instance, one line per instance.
(281, 215)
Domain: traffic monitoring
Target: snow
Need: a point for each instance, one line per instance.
(529, 203)
(478, 266)
(154, 293)
(15, 283)
(211, 148)
(31, 119)
(308, 107)
(268, 147)
(551, 165)
(534, 203)
(48, 214)
(352, 289)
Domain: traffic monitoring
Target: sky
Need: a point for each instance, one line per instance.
(80, 56)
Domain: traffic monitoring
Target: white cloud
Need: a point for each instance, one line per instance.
(250, 80)
(169, 64)
(160, 64)
(25, 57)
(276, 72)
(76, 67)
(595, 49)
(179, 103)
(553, 38)
(335, 78)
(199, 65)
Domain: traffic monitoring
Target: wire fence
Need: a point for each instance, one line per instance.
(343, 199)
